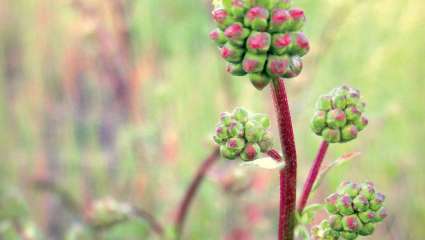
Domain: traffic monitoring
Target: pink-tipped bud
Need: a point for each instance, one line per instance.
(259, 42)
(280, 21)
(277, 65)
(281, 43)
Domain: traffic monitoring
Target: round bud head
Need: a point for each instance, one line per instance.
(366, 229)
(361, 123)
(254, 132)
(368, 190)
(231, 53)
(348, 235)
(352, 113)
(240, 114)
(257, 18)
(266, 143)
(259, 80)
(259, 42)
(324, 103)
(235, 69)
(250, 152)
(381, 214)
(236, 34)
(361, 203)
(227, 153)
(254, 63)
(222, 18)
(335, 221)
(367, 216)
(263, 119)
(218, 37)
(300, 45)
(226, 118)
(235, 129)
(297, 18)
(318, 122)
(349, 133)
(295, 67)
(351, 223)
(377, 201)
(281, 43)
(331, 135)
(336, 118)
(277, 66)
(280, 21)
(344, 205)
(331, 203)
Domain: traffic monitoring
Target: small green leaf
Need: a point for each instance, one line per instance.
(338, 162)
(266, 163)
(308, 214)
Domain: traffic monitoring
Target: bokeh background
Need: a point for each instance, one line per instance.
(115, 98)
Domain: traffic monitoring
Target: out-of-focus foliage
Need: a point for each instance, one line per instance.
(119, 98)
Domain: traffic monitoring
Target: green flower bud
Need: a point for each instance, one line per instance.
(280, 21)
(335, 221)
(295, 67)
(257, 18)
(377, 201)
(258, 42)
(231, 53)
(235, 69)
(235, 129)
(236, 34)
(236, 145)
(361, 123)
(344, 205)
(367, 216)
(352, 113)
(361, 106)
(336, 118)
(250, 152)
(218, 37)
(227, 153)
(285, 4)
(299, 44)
(297, 19)
(226, 118)
(349, 133)
(222, 18)
(366, 229)
(349, 188)
(259, 80)
(241, 114)
(318, 123)
(361, 203)
(381, 214)
(254, 132)
(277, 66)
(351, 223)
(331, 203)
(281, 43)
(331, 135)
(324, 103)
(348, 235)
(353, 97)
(263, 119)
(238, 9)
(266, 143)
(221, 131)
(219, 140)
(253, 62)
(368, 190)
(339, 101)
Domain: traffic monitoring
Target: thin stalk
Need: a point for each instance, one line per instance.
(288, 175)
(191, 191)
(154, 224)
(312, 175)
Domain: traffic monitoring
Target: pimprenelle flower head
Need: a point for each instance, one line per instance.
(339, 115)
(260, 38)
(243, 134)
(354, 211)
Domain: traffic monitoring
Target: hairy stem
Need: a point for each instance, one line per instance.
(312, 175)
(288, 175)
(191, 191)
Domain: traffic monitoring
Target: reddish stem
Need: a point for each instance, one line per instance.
(274, 154)
(154, 224)
(312, 175)
(288, 175)
(191, 191)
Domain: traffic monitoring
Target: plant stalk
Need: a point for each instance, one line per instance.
(312, 175)
(191, 191)
(288, 175)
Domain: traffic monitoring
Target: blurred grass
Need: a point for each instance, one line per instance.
(121, 103)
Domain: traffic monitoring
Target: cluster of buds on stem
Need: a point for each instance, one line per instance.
(243, 134)
(339, 116)
(261, 38)
(107, 212)
(354, 211)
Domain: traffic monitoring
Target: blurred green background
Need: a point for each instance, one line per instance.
(119, 98)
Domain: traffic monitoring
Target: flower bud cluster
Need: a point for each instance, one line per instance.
(261, 38)
(354, 211)
(243, 134)
(339, 116)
